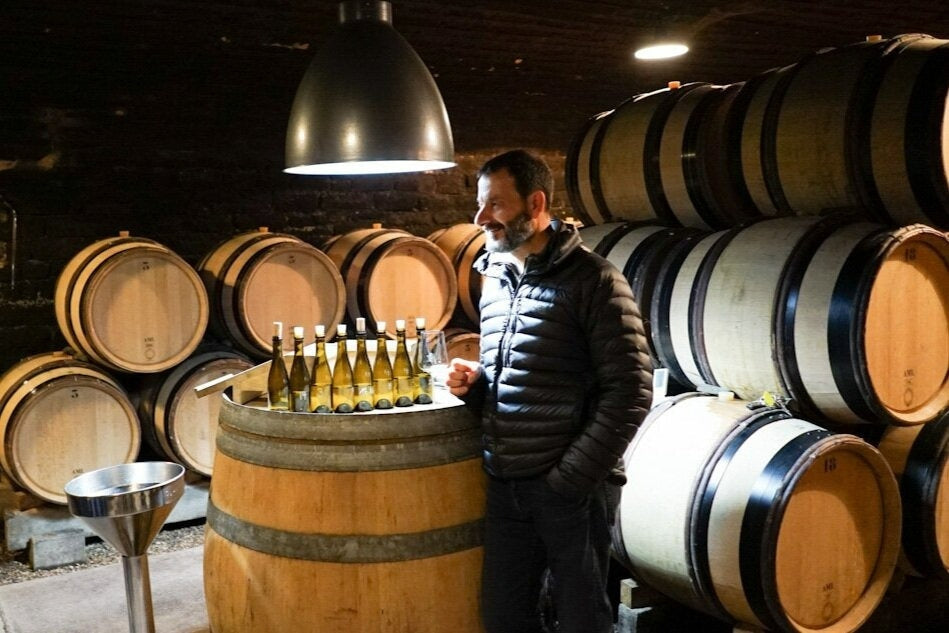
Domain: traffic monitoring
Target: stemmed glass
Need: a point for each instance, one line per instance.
(434, 356)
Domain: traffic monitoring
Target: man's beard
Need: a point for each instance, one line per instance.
(516, 233)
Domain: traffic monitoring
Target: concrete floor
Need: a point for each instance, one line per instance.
(93, 600)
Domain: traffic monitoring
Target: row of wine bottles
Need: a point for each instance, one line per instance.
(358, 386)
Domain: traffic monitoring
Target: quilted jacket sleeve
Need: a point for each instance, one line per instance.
(622, 387)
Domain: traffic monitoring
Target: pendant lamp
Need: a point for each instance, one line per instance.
(367, 104)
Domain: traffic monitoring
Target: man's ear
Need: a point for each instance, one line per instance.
(536, 202)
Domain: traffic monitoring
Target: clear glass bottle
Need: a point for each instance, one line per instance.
(278, 381)
(299, 375)
(342, 375)
(382, 370)
(402, 369)
(321, 378)
(423, 379)
(362, 370)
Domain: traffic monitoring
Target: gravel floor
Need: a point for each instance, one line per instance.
(15, 566)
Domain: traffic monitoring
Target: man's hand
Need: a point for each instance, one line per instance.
(462, 375)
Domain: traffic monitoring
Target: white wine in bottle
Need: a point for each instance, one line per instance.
(321, 379)
(362, 370)
(299, 375)
(342, 375)
(423, 379)
(382, 370)
(402, 368)
(278, 382)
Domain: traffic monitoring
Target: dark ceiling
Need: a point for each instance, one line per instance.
(525, 72)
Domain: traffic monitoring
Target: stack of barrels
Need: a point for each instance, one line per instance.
(785, 239)
(144, 328)
(125, 305)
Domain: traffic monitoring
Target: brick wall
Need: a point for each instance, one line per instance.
(168, 120)
(61, 210)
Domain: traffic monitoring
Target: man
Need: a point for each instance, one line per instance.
(564, 381)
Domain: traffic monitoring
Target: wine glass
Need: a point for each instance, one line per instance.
(434, 356)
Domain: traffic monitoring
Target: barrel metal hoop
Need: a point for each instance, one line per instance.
(697, 304)
(346, 548)
(396, 454)
(652, 142)
(768, 143)
(762, 519)
(785, 308)
(693, 156)
(701, 512)
(660, 306)
(845, 321)
(927, 458)
(420, 421)
(596, 187)
(734, 123)
(922, 119)
(571, 171)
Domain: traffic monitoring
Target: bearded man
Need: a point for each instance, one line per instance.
(563, 382)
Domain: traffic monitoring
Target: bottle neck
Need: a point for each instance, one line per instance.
(277, 348)
(341, 351)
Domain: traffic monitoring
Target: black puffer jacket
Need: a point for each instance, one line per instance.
(567, 379)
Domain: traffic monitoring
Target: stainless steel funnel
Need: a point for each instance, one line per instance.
(126, 506)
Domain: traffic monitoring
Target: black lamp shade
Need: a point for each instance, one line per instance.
(367, 103)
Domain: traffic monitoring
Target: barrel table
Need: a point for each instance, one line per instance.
(340, 523)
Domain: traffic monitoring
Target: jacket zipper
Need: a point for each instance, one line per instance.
(504, 348)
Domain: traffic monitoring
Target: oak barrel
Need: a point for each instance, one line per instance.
(59, 417)
(626, 180)
(259, 277)
(858, 127)
(463, 244)
(391, 274)
(849, 320)
(738, 523)
(131, 304)
(694, 157)
(919, 456)
(364, 522)
(579, 170)
(176, 423)
(638, 250)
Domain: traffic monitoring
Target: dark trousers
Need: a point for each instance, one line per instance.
(528, 528)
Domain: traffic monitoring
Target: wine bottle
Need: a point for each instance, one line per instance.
(423, 379)
(402, 368)
(321, 380)
(342, 375)
(382, 370)
(278, 382)
(362, 370)
(299, 375)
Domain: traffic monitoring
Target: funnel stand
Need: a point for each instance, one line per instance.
(138, 594)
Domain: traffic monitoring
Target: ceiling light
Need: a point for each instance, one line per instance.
(661, 50)
(367, 104)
